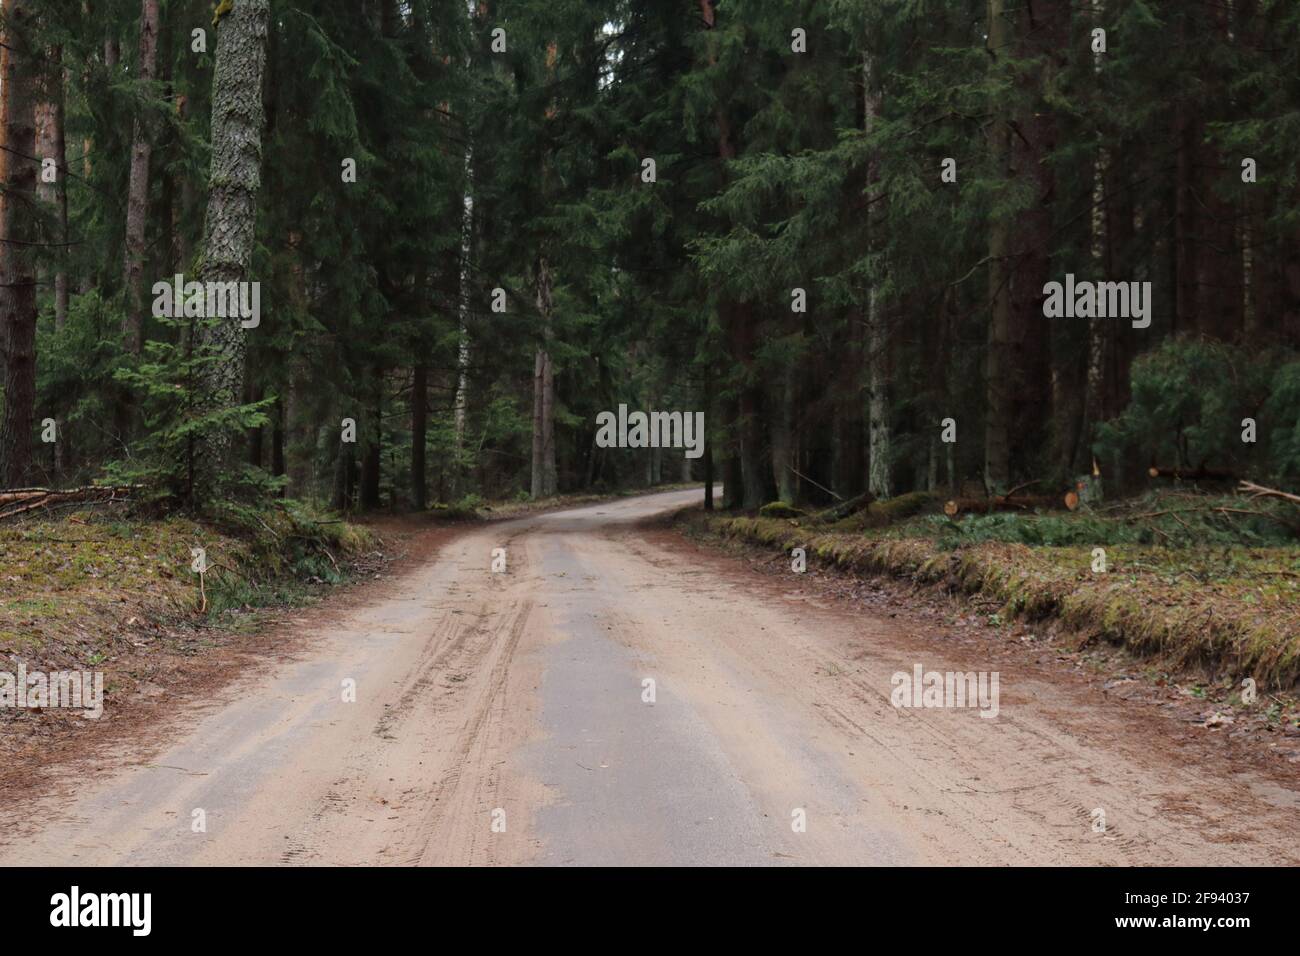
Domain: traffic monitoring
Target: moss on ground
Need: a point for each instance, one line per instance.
(69, 585)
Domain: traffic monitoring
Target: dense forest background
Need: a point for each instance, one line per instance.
(464, 251)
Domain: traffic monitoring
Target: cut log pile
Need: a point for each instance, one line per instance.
(18, 501)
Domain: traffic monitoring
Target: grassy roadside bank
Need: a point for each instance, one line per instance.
(98, 590)
(1229, 612)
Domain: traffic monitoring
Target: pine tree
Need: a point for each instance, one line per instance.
(231, 215)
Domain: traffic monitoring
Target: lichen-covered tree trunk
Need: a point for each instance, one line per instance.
(228, 230)
(18, 228)
(137, 203)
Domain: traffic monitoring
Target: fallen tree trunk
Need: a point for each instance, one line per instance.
(1200, 473)
(957, 506)
(21, 500)
(843, 509)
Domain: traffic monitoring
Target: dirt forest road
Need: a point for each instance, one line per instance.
(505, 718)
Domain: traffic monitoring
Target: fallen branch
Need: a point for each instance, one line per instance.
(1259, 491)
(21, 500)
(1027, 484)
(1293, 525)
(814, 484)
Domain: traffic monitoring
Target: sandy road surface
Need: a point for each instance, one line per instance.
(500, 718)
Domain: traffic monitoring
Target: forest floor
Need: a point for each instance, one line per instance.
(627, 694)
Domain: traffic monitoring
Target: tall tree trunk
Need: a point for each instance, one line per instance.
(59, 150)
(1043, 39)
(1120, 244)
(254, 393)
(1099, 329)
(997, 412)
(543, 459)
(18, 61)
(946, 393)
(544, 483)
(463, 297)
(1185, 219)
(277, 440)
(756, 478)
(372, 458)
(744, 479)
(54, 146)
(784, 442)
(733, 485)
(137, 203)
(419, 423)
(848, 466)
(343, 478)
(228, 232)
(1218, 259)
(188, 204)
(879, 456)
(708, 444)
